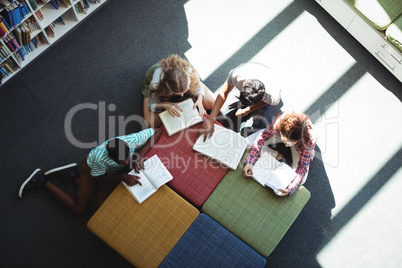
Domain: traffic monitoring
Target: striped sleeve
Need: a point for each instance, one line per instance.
(95, 161)
(138, 139)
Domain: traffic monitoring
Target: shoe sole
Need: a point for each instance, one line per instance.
(60, 168)
(26, 181)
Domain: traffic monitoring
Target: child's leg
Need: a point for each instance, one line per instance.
(77, 205)
(104, 189)
(86, 192)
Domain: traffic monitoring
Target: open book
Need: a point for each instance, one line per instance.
(268, 171)
(225, 146)
(153, 176)
(188, 117)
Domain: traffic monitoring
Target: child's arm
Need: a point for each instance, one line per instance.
(251, 108)
(127, 178)
(139, 158)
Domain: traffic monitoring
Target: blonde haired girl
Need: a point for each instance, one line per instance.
(170, 81)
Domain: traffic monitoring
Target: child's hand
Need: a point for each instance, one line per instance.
(248, 170)
(242, 112)
(282, 192)
(131, 180)
(206, 129)
(138, 163)
(201, 110)
(173, 109)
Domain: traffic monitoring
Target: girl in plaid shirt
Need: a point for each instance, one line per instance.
(294, 130)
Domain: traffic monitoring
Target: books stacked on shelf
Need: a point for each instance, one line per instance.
(34, 3)
(54, 3)
(83, 5)
(4, 27)
(32, 25)
(4, 3)
(8, 67)
(11, 42)
(24, 28)
(15, 12)
(57, 3)
(15, 47)
(39, 14)
(50, 29)
(36, 42)
(64, 3)
(4, 54)
(22, 34)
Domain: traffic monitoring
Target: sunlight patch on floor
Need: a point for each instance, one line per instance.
(361, 243)
(215, 35)
(359, 128)
(307, 60)
(366, 142)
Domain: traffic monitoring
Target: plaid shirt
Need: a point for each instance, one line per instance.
(306, 150)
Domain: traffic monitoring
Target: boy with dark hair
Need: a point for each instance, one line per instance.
(256, 87)
(252, 92)
(105, 166)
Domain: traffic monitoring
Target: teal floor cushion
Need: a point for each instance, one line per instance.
(254, 213)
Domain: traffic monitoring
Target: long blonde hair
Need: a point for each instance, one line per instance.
(175, 78)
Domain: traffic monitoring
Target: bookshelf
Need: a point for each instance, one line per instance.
(29, 27)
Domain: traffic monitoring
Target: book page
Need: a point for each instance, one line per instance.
(225, 145)
(272, 173)
(190, 116)
(156, 172)
(171, 123)
(139, 192)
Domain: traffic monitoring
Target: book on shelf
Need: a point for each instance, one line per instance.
(4, 24)
(268, 171)
(2, 32)
(33, 4)
(7, 16)
(54, 4)
(188, 117)
(225, 146)
(4, 3)
(14, 13)
(153, 176)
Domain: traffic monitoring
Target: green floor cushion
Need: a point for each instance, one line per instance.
(380, 13)
(253, 213)
(394, 33)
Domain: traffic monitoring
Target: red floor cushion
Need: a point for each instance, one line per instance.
(194, 175)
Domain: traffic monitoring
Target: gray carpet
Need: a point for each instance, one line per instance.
(101, 64)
